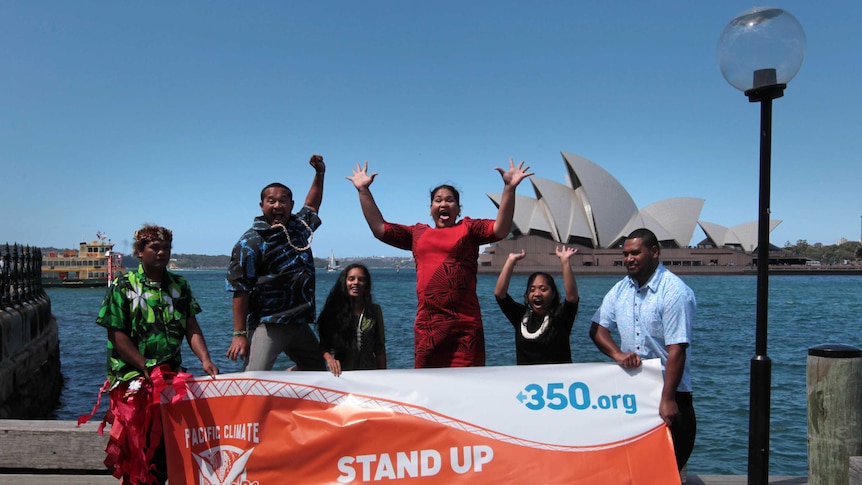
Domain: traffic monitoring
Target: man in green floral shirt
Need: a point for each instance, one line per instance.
(147, 313)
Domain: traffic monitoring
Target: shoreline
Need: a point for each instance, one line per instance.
(620, 270)
(692, 270)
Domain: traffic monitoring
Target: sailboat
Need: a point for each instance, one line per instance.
(332, 265)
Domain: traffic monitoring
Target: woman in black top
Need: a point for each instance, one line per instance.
(352, 336)
(542, 325)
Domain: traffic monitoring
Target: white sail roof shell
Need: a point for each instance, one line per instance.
(531, 215)
(594, 207)
(742, 235)
(568, 213)
(607, 203)
(677, 215)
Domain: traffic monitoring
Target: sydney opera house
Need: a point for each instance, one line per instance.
(593, 212)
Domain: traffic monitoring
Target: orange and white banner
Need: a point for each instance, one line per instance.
(542, 424)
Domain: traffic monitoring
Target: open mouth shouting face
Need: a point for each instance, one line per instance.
(276, 204)
(445, 207)
(540, 295)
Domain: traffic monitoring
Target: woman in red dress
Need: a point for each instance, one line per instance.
(448, 329)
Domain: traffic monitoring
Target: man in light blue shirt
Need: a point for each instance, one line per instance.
(653, 309)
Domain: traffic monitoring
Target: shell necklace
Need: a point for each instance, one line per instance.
(289, 242)
(359, 330)
(538, 333)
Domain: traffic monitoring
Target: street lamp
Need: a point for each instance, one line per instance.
(759, 52)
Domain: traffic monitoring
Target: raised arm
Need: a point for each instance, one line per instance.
(315, 193)
(506, 211)
(362, 181)
(502, 288)
(569, 282)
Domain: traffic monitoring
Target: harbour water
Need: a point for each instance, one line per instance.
(804, 311)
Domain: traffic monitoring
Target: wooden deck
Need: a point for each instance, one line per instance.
(740, 479)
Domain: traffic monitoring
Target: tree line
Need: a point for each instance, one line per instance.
(204, 261)
(849, 251)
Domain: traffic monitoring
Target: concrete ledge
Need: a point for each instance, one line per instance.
(51, 445)
(856, 470)
(18, 479)
(742, 480)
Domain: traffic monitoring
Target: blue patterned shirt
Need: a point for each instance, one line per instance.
(277, 272)
(651, 317)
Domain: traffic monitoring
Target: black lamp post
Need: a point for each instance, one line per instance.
(759, 52)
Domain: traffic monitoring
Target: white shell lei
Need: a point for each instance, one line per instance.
(538, 333)
(310, 235)
(359, 331)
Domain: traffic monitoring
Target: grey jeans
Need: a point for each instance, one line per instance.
(297, 341)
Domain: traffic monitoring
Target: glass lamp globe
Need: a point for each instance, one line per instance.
(762, 46)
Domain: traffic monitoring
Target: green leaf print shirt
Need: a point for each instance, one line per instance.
(152, 314)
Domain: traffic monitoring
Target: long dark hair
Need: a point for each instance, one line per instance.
(555, 300)
(336, 322)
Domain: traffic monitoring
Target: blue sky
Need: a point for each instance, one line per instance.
(113, 114)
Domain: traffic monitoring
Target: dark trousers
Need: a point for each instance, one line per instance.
(683, 429)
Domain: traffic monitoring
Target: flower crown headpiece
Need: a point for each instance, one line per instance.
(149, 234)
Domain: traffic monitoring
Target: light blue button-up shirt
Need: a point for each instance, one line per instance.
(651, 317)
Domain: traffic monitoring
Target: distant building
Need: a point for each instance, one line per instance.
(541, 256)
(594, 212)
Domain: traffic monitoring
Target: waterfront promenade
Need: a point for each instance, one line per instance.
(73, 476)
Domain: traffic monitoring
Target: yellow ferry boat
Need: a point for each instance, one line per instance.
(93, 264)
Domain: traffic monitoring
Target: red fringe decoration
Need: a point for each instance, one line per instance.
(86, 417)
(136, 425)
